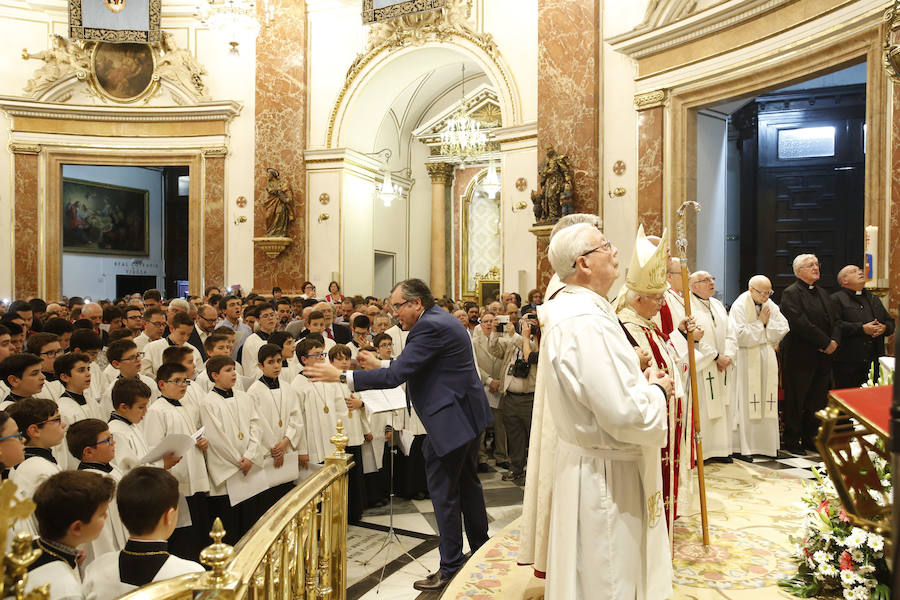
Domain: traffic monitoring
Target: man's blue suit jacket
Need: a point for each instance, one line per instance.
(438, 366)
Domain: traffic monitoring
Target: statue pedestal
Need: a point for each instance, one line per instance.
(544, 271)
(272, 246)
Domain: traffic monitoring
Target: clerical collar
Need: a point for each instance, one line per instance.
(171, 401)
(171, 343)
(105, 467)
(223, 393)
(55, 551)
(117, 417)
(44, 453)
(79, 398)
(284, 364)
(858, 292)
(263, 334)
(140, 561)
(50, 376)
(13, 397)
(270, 382)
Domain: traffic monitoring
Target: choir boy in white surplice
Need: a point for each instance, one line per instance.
(148, 502)
(131, 398)
(61, 504)
(758, 327)
(39, 421)
(356, 427)
(611, 422)
(92, 443)
(217, 344)
(290, 366)
(268, 321)
(75, 403)
(278, 428)
(172, 414)
(182, 327)
(85, 341)
(227, 416)
(714, 367)
(47, 347)
(124, 363)
(22, 373)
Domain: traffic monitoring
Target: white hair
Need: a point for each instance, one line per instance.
(180, 304)
(569, 220)
(759, 280)
(798, 262)
(567, 245)
(629, 296)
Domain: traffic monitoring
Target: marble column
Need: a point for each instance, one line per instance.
(651, 115)
(569, 100)
(441, 177)
(26, 220)
(214, 217)
(281, 97)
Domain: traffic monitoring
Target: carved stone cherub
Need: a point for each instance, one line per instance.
(62, 58)
(181, 67)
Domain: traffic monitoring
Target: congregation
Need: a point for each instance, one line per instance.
(89, 388)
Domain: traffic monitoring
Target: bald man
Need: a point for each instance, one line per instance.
(864, 323)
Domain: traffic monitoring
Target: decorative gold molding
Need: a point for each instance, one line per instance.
(440, 172)
(215, 151)
(24, 148)
(542, 232)
(649, 99)
(418, 36)
(272, 246)
(370, 14)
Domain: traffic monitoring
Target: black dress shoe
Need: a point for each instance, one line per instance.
(484, 468)
(503, 465)
(433, 583)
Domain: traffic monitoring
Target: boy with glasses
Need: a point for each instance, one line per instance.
(124, 363)
(94, 447)
(171, 414)
(46, 346)
(154, 327)
(319, 402)
(22, 375)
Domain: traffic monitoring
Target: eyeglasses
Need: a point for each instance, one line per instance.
(766, 294)
(706, 280)
(56, 419)
(319, 355)
(50, 353)
(205, 319)
(137, 356)
(396, 307)
(110, 440)
(176, 381)
(133, 317)
(157, 323)
(659, 301)
(605, 247)
(14, 436)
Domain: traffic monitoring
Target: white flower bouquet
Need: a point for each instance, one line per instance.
(833, 555)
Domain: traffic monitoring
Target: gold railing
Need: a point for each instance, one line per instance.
(298, 550)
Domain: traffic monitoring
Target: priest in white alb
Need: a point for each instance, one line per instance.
(607, 531)
(714, 367)
(758, 327)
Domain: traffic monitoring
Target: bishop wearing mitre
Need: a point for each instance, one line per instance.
(638, 303)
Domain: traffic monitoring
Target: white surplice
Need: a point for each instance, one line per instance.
(755, 433)
(712, 384)
(319, 404)
(278, 417)
(607, 531)
(164, 419)
(228, 422)
(153, 357)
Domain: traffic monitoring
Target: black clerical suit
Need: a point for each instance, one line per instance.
(858, 350)
(806, 369)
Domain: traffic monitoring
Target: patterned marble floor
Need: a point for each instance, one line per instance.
(416, 530)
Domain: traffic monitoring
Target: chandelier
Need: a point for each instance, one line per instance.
(463, 137)
(234, 19)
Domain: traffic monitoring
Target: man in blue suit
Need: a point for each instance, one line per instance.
(438, 366)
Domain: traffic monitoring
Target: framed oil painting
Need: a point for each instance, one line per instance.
(123, 72)
(100, 218)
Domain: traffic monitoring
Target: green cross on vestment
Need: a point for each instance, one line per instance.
(754, 403)
(709, 378)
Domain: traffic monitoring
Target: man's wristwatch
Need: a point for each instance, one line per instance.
(343, 377)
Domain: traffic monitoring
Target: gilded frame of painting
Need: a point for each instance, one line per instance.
(141, 196)
(148, 58)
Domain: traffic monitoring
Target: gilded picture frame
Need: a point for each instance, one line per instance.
(376, 11)
(123, 72)
(102, 218)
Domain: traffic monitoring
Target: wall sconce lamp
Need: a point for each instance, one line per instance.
(617, 192)
(240, 219)
(519, 206)
(323, 217)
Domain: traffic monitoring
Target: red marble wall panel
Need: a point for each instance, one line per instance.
(25, 226)
(569, 45)
(281, 137)
(544, 270)
(214, 222)
(650, 170)
(894, 259)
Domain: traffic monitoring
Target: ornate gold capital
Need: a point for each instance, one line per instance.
(649, 99)
(214, 151)
(440, 172)
(24, 148)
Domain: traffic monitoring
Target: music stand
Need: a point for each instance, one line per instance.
(378, 401)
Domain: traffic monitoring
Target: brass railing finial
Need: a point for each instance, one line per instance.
(217, 556)
(340, 441)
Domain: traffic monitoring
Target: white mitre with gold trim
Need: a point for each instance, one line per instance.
(647, 272)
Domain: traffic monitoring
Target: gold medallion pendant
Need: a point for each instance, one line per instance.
(280, 423)
(326, 410)
(240, 435)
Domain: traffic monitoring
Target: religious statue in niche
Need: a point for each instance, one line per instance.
(556, 197)
(279, 205)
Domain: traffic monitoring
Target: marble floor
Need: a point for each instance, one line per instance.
(413, 552)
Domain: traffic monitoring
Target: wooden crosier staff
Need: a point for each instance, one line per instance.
(695, 402)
